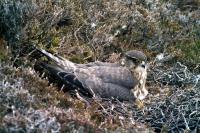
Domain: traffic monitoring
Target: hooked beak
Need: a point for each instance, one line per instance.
(143, 64)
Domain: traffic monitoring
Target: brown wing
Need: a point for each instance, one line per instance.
(116, 75)
(109, 90)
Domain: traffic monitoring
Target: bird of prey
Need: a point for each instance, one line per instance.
(124, 80)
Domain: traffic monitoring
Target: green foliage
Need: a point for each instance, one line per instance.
(190, 50)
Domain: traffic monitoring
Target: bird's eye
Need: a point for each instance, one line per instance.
(134, 60)
(143, 65)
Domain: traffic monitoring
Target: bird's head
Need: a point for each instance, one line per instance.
(133, 58)
(136, 61)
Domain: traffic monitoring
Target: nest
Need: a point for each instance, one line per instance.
(175, 110)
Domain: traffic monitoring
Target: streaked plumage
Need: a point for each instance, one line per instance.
(101, 79)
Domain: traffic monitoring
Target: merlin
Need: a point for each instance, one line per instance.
(124, 80)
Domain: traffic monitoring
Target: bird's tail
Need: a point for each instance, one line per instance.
(52, 69)
(64, 78)
(60, 61)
